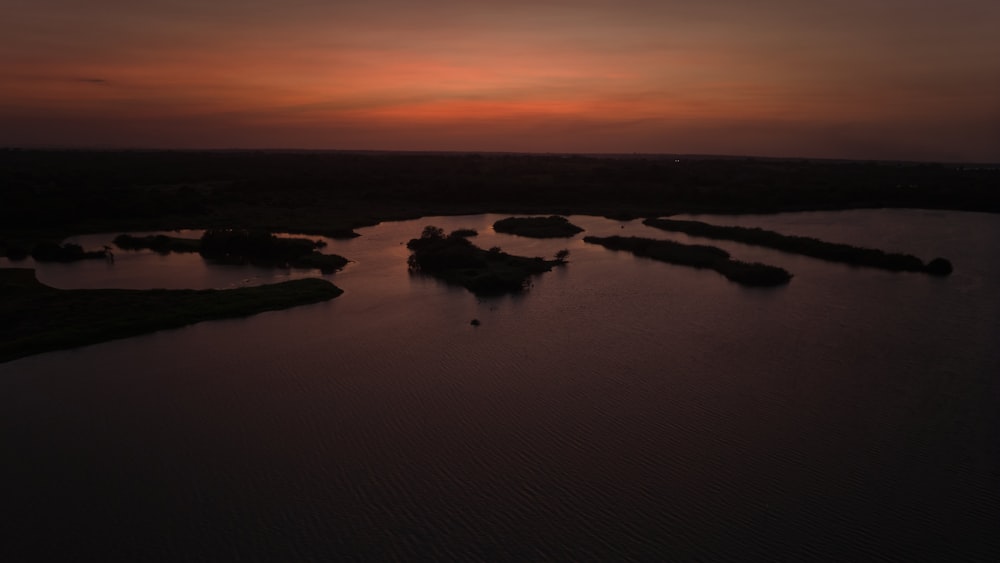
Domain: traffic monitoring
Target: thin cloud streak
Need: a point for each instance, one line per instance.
(850, 79)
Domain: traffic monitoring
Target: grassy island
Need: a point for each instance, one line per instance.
(808, 246)
(697, 256)
(455, 260)
(38, 318)
(552, 226)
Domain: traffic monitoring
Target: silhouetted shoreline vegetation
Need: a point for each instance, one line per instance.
(455, 260)
(808, 246)
(243, 246)
(38, 318)
(553, 226)
(52, 194)
(697, 256)
(47, 251)
(261, 248)
(162, 244)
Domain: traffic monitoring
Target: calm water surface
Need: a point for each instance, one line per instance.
(620, 409)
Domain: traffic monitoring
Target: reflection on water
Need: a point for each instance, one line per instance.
(622, 408)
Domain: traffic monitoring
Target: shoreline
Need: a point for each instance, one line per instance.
(39, 318)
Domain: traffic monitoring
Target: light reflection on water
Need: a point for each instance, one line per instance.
(620, 408)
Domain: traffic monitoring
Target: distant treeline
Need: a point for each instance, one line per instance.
(52, 192)
(808, 246)
(697, 256)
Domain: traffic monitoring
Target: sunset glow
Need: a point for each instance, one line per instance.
(780, 78)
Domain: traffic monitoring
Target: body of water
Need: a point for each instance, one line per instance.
(621, 408)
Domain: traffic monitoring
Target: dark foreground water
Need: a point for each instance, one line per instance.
(621, 409)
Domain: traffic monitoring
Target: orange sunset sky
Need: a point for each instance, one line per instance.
(894, 79)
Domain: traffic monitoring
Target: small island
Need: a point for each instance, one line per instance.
(39, 318)
(242, 246)
(552, 226)
(697, 256)
(457, 261)
(807, 246)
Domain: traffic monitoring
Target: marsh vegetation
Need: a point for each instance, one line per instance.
(242, 246)
(697, 256)
(807, 246)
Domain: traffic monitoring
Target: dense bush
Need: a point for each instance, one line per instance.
(938, 267)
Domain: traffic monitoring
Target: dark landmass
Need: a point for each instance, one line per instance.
(697, 256)
(38, 318)
(48, 251)
(261, 248)
(162, 244)
(553, 226)
(242, 246)
(457, 261)
(52, 194)
(465, 233)
(808, 246)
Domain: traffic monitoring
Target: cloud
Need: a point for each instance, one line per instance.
(97, 81)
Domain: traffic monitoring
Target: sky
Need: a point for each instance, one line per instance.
(868, 79)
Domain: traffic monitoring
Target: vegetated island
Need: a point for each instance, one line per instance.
(38, 318)
(808, 246)
(552, 226)
(698, 256)
(243, 246)
(457, 261)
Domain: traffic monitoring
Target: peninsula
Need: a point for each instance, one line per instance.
(38, 318)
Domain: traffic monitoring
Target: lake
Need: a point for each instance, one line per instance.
(620, 409)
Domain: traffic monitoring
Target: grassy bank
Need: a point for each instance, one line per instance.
(697, 256)
(38, 318)
(808, 246)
